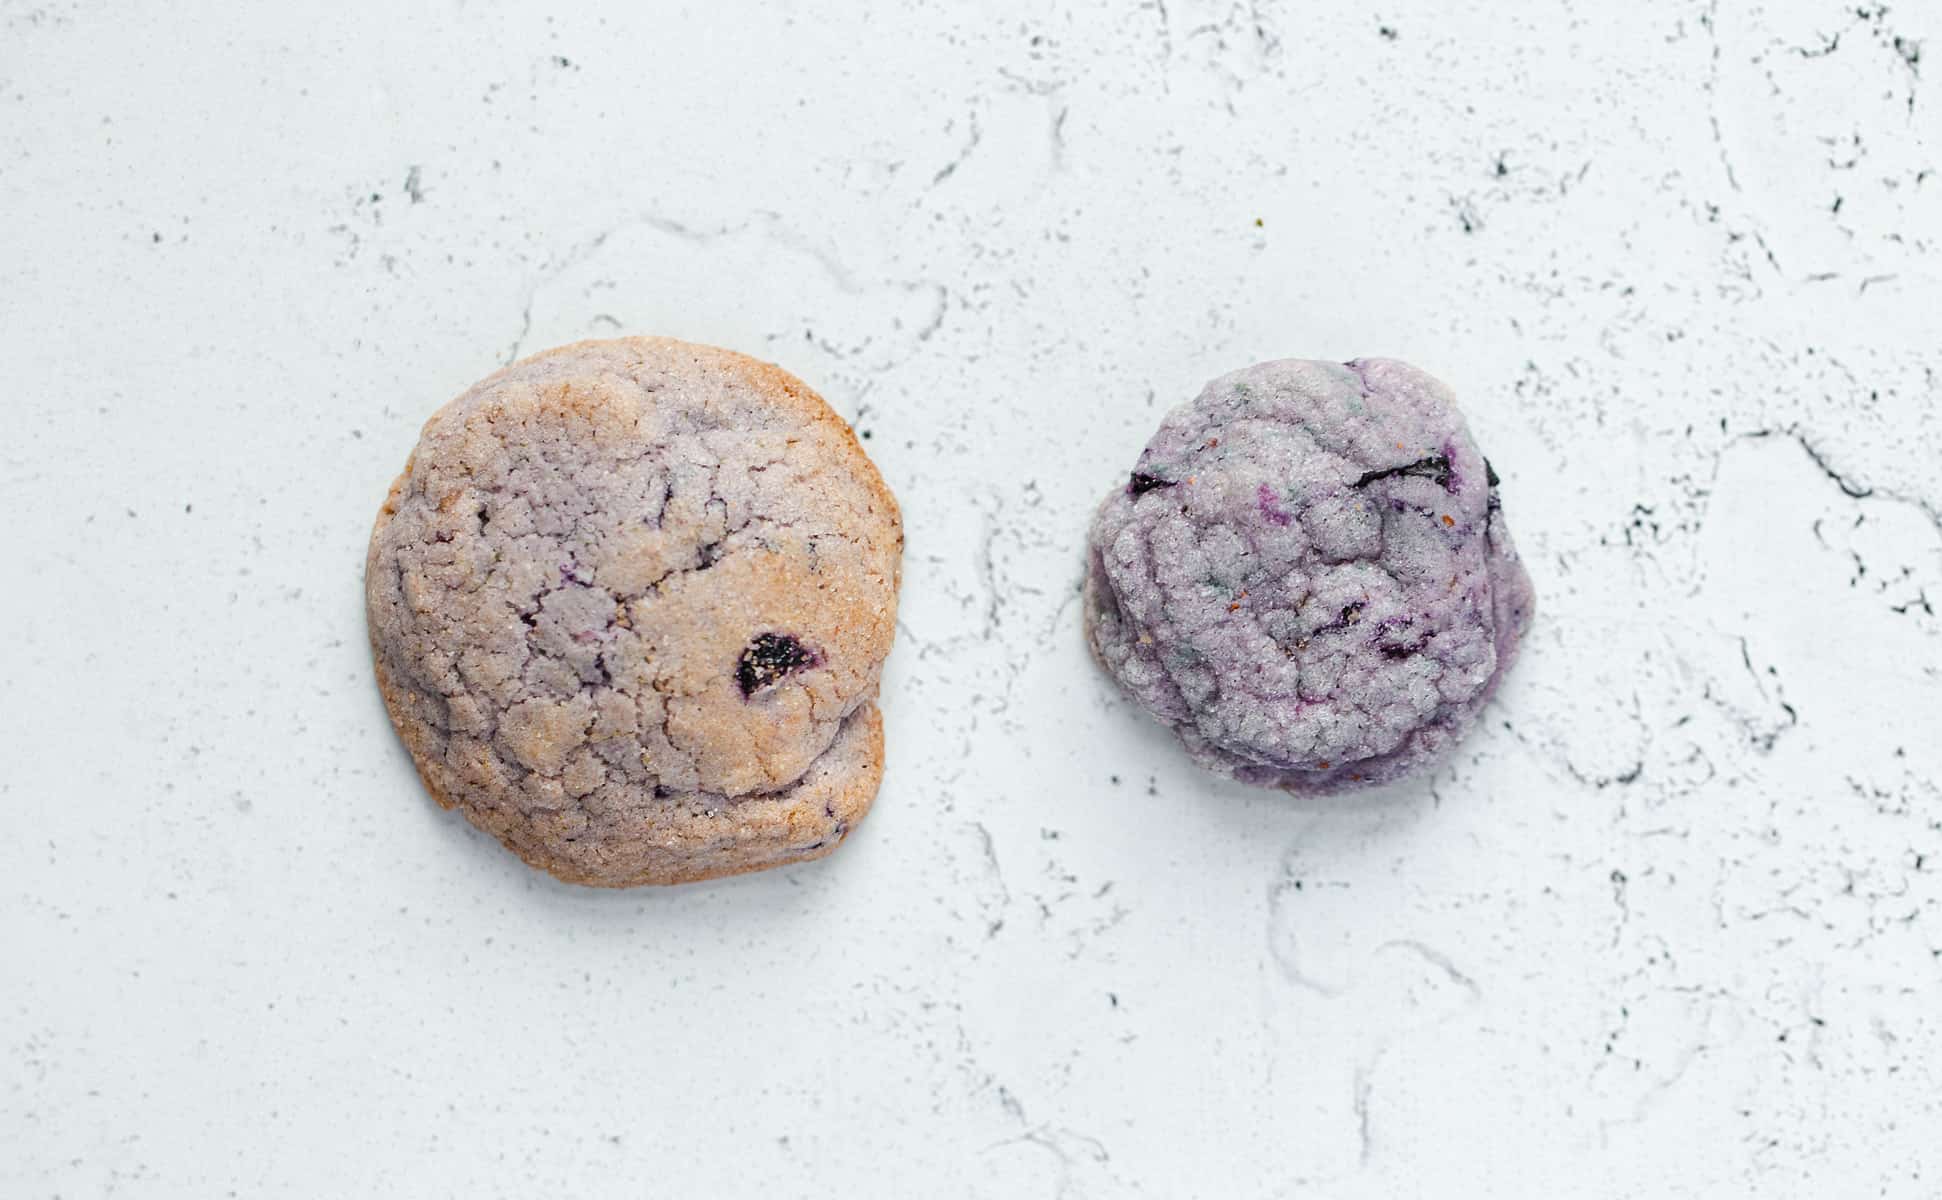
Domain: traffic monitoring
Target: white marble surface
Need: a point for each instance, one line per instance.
(1671, 926)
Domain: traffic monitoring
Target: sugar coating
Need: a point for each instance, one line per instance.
(629, 604)
(1308, 577)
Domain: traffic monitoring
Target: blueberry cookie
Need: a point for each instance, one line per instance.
(629, 604)
(1308, 577)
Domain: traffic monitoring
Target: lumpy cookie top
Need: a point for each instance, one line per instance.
(1307, 574)
(627, 579)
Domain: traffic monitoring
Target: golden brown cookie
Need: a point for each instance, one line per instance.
(629, 603)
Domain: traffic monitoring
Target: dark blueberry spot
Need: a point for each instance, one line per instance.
(1394, 650)
(1436, 468)
(1350, 614)
(1143, 483)
(1391, 630)
(768, 658)
(1490, 473)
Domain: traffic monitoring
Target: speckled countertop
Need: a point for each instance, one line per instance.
(1670, 926)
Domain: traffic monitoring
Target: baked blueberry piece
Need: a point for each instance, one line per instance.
(1308, 577)
(629, 603)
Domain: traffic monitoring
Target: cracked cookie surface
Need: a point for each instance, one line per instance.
(629, 603)
(1308, 577)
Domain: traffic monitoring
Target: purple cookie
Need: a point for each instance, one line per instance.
(1308, 577)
